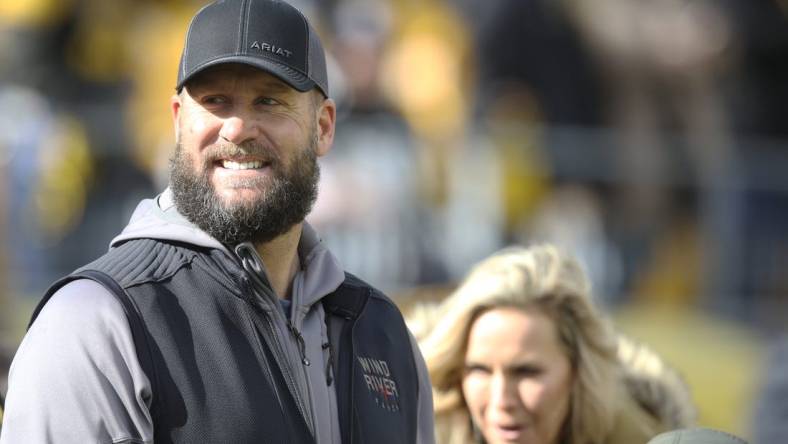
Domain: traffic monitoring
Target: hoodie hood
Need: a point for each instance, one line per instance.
(319, 275)
(158, 218)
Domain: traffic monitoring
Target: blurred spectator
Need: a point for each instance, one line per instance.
(362, 29)
(663, 64)
(31, 36)
(62, 90)
(48, 171)
(532, 45)
(759, 91)
(570, 217)
(770, 418)
(382, 232)
(760, 105)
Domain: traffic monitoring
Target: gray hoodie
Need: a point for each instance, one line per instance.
(76, 377)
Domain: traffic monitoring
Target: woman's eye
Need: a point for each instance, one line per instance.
(527, 371)
(476, 369)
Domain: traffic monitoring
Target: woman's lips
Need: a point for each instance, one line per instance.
(509, 432)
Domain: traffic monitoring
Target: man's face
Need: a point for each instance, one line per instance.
(245, 166)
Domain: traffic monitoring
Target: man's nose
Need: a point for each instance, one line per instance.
(239, 128)
(503, 392)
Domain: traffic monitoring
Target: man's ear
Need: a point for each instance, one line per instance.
(326, 116)
(175, 108)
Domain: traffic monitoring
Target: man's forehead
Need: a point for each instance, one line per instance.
(227, 73)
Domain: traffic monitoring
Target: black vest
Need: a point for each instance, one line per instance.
(201, 340)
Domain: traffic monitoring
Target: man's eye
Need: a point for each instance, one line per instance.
(268, 101)
(213, 100)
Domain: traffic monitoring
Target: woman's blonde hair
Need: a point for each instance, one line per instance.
(540, 278)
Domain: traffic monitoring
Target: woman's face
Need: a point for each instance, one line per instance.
(517, 380)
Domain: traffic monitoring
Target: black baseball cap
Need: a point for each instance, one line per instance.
(271, 35)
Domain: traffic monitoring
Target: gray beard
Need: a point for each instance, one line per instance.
(285, 201)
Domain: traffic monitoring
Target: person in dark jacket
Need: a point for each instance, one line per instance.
(217, 315)
(770, 414)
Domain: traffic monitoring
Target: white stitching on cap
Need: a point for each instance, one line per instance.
(246, 34)
(241, 25)
(306, 25)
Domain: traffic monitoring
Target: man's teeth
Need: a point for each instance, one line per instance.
(230, 165)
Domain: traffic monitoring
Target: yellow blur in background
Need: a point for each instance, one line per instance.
(720, 360)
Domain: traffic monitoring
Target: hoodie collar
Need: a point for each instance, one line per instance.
(320, 272)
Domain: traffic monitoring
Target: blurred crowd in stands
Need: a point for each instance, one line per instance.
(650, 138)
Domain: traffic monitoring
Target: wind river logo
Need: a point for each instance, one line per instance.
(380, 383)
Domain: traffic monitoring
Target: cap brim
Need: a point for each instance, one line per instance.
(292, 77)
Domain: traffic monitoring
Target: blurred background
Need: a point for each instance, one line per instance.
(649, 138)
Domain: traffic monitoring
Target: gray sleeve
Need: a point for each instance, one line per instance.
(426, 418)
(76, 377)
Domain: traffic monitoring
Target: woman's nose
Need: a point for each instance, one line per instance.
(503, 392)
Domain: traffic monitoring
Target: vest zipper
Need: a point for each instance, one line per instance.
(329, 363)
(253, 267)
(265, 364)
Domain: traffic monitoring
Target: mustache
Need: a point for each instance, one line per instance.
(230, 150)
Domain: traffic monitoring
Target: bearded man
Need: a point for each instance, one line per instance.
(217, 316)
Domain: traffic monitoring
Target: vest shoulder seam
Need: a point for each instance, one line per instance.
(141, 261)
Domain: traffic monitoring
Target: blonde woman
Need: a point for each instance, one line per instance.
(518, 354)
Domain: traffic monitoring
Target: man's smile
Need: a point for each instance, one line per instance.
(233, 165)
(242, 166)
